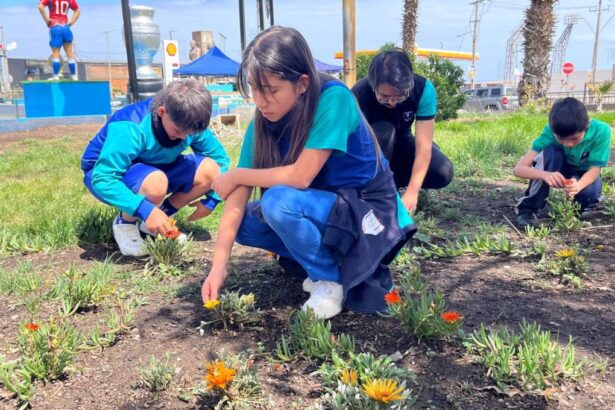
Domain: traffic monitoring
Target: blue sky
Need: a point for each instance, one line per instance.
(442, 24)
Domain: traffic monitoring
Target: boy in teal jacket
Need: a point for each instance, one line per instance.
(136, 159)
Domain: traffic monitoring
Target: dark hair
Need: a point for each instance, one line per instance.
(567, 117)
(188, 103)
(283, 52)
(392, 67)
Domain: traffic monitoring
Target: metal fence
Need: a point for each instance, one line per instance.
(11, 111)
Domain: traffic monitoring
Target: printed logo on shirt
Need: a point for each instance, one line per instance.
(585, 156)
(370, 224)
(408, 116)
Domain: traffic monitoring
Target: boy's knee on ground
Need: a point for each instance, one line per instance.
(155, 187)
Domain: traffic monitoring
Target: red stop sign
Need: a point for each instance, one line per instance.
(567, 68)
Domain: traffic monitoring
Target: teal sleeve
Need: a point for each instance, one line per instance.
(599, 157)
(246, 157)
(121, 148)
(428, 103)
(337, 116)
(207, 145)
(545, 139)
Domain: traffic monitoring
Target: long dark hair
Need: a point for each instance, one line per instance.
(283, 52)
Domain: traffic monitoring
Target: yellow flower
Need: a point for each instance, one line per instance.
(565, 253)
(383, 390)
(247, 299)
(218, 375)
(211, 304)
(349, 377)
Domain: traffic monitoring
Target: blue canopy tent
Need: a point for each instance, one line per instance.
(214, 63)
(327, 68)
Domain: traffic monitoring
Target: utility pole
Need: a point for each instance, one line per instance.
(269, 9)
(348, 14)
(242, 25)
(3, 75)
(260, 15)
(475, 22)
(171, 34)
(597, 38)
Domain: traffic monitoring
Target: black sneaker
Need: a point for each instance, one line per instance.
(527, 219)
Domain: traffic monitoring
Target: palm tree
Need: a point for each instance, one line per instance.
(538, 32)
(600, 90)
(411, 8)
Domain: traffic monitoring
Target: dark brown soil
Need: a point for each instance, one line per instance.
(498, 290)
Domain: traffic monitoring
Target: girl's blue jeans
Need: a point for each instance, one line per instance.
(292, 225)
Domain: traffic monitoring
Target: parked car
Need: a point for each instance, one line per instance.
(493, 98)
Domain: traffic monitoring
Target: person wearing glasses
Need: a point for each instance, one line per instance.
(392, 97)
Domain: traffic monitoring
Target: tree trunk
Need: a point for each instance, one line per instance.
(409, 24)
(537, 42)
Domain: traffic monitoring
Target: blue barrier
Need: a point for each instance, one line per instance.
(62, 98)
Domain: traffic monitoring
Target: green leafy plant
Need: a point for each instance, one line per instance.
(366, 382)
(233, 310)
(564, 213)
(311, 337)
(168, 252)
(80, 291)
(116, 324)
(47, 349)
(157, 375)
(569, 265)
(478, 245)
(20, 281)
(232, 380)
(17, 380)
(421, 311)
(528, 360)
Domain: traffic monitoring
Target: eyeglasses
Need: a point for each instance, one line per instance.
(395, 99)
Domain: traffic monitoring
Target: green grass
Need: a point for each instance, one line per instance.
(45, 206)
(487, 146)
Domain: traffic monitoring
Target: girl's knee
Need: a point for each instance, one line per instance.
(275, 203)
(155, 186)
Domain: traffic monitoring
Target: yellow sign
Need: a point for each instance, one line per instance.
(171, 49)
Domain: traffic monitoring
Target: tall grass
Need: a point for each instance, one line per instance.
(489, 146)
(45, 206)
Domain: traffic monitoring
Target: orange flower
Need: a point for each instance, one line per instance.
(568, 181)
(392, 297)
(174, 232)
(451, 317)
(218, 375)
(33, 327)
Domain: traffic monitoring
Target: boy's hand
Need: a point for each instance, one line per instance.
(158, 222)
(572, 188)
(212, 284)
(554, 179)
(201, 211)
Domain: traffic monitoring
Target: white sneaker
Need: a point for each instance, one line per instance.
(54, 78)
(308, 285)
(128, 238)
(326, 299)
(181, 238)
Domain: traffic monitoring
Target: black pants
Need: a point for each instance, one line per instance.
(399, 150)
(553, 159)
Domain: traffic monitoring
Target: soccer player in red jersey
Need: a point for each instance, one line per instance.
(60, 34)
